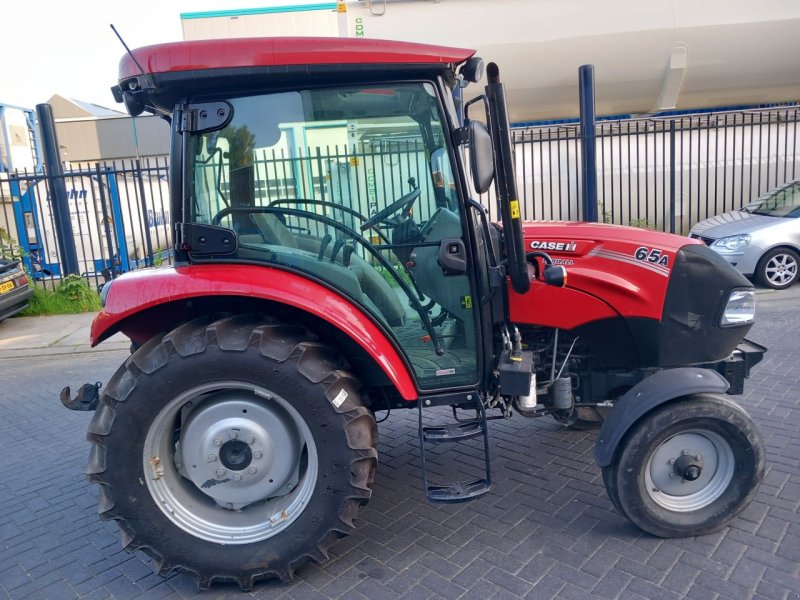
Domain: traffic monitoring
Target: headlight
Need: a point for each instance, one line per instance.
(741, 308)
(732, 242)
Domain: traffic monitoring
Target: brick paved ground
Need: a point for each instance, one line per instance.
(546, 531)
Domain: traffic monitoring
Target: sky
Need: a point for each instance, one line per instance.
(66, 47)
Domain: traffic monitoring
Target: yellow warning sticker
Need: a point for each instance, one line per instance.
(514, 204)
(341, 6)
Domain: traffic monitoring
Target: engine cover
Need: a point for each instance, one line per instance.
(648, 299)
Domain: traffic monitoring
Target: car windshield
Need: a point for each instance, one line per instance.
(783, 203)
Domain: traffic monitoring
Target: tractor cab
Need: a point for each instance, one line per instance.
(354, 187)
(350, 171)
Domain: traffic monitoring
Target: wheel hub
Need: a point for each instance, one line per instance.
(235, 455)
(688, 467)
(238, 450)
(689, 470)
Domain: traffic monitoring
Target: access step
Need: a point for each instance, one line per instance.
(459, 491)
(458, 431)
(452, 432)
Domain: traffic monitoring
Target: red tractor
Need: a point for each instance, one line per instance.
(330, 262)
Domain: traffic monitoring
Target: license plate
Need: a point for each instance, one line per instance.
(6, 287)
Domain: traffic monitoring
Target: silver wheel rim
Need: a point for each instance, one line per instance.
(671, 491)
(224, 508)
(781, 269)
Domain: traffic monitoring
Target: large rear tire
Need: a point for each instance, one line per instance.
(688, 467)
(233, 450)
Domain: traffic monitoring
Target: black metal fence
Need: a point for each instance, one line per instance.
(662, 173)
(118, 213)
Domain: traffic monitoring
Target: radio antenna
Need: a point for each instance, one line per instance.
(133, 58)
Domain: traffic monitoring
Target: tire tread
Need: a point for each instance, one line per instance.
(276, 341)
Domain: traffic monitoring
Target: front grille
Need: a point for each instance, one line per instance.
(706, 240)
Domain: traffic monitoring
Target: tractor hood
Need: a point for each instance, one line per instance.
(665, 293)
(591, 236)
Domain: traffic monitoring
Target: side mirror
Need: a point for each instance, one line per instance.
(481, 156)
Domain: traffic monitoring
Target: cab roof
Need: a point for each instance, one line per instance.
(283, 52)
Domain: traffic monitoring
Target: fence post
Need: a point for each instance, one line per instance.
(59, 203)
(672, 176)
(589, 150)
(112, 268)
(148, 259)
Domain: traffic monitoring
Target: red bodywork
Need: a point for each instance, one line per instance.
(270, 52)
(138, 291)
(605, 277)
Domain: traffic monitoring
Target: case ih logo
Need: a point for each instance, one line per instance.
(559, 246)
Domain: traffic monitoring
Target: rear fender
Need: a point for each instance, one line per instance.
(664, 386)
(133, 293)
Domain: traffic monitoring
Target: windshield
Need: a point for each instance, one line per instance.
(783, 203)
(359, 147)
(353, 186)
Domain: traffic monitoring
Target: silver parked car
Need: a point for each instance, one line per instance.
(762, 240)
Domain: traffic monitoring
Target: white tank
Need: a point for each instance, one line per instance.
(649, 55)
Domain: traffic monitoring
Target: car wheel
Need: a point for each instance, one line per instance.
(777, 269)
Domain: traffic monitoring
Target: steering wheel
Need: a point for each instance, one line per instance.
(405, 203)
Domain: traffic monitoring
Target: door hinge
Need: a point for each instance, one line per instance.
(206, 116)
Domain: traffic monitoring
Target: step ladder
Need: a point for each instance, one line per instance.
(453, 433)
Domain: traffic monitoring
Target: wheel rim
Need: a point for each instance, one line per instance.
(781, 269)
(243, 468)
(705, 450)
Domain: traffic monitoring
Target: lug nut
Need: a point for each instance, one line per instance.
(671, 461)
(257, 454)
(220, 472)
(685, 452)
(238, 476)
(217, 442)
(212, 457)
(235, 434)
(252, 470)
(250, 439)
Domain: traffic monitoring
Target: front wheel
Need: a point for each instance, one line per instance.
(233, 450)
(688, 467)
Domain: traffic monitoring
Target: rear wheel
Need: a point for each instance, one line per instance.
(687, 468)
(232, 450)
(778, 268)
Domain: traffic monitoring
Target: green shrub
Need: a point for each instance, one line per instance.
(9, 248)
(642, 224)
(73, 295)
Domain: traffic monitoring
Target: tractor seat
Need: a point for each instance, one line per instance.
(373, 286)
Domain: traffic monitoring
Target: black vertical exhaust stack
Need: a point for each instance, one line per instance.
(588, 148)
(58, 192)
(505, 181)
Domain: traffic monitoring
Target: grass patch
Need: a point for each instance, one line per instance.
(73, 295)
